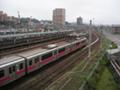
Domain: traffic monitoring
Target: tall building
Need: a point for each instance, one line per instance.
(1, 15)
(5, 17)
(79, 21)
(59, 17)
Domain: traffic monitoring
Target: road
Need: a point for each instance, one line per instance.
(113, 37)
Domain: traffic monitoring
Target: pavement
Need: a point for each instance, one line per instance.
(113, 37)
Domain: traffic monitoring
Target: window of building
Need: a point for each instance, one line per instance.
(46, 56)
(1, 73)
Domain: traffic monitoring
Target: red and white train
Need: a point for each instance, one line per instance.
(16, 66)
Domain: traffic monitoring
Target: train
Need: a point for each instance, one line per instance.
(15, 40)
(16, 66)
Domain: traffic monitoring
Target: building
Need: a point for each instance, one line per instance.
(5, 17)
(79, 21)
(59, 17)
(1, 15)
(116, 29)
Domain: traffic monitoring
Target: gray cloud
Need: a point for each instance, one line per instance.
(103, 11)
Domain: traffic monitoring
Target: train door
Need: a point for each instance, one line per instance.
(71, 48)
(30, 65)
(20, 69)
(55, 54)
(40, 61)
(12, 71)
(68, 49)
(65, 52)
(36, 62)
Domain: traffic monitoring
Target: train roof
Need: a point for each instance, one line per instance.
(33, 33)
(45, 49)
(10, 60)
(31, 53)
(24, 35)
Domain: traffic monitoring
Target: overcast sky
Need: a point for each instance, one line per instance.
(101, 11)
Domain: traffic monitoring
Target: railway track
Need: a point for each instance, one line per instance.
(40, 79)
(115, 66)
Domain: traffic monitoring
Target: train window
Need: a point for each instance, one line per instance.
(10, 70)
(30, 62)
(17, 67)
(1, 73)
(14, 69)
(61, 50)
(20, 66)
(46, 56)
(36, 59)
(77, 43)
(83, 42)
(55, 52)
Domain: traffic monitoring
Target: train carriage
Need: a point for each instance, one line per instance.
(13, 40)
(11, 68)
(32, 59)
(14, 67)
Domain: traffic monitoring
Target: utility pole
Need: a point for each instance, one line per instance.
(29, 23)
(18, 20)
(90, 38)
(18, 17)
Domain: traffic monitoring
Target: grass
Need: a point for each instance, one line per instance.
(106, 81)
(113, 45)
(102, 78)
